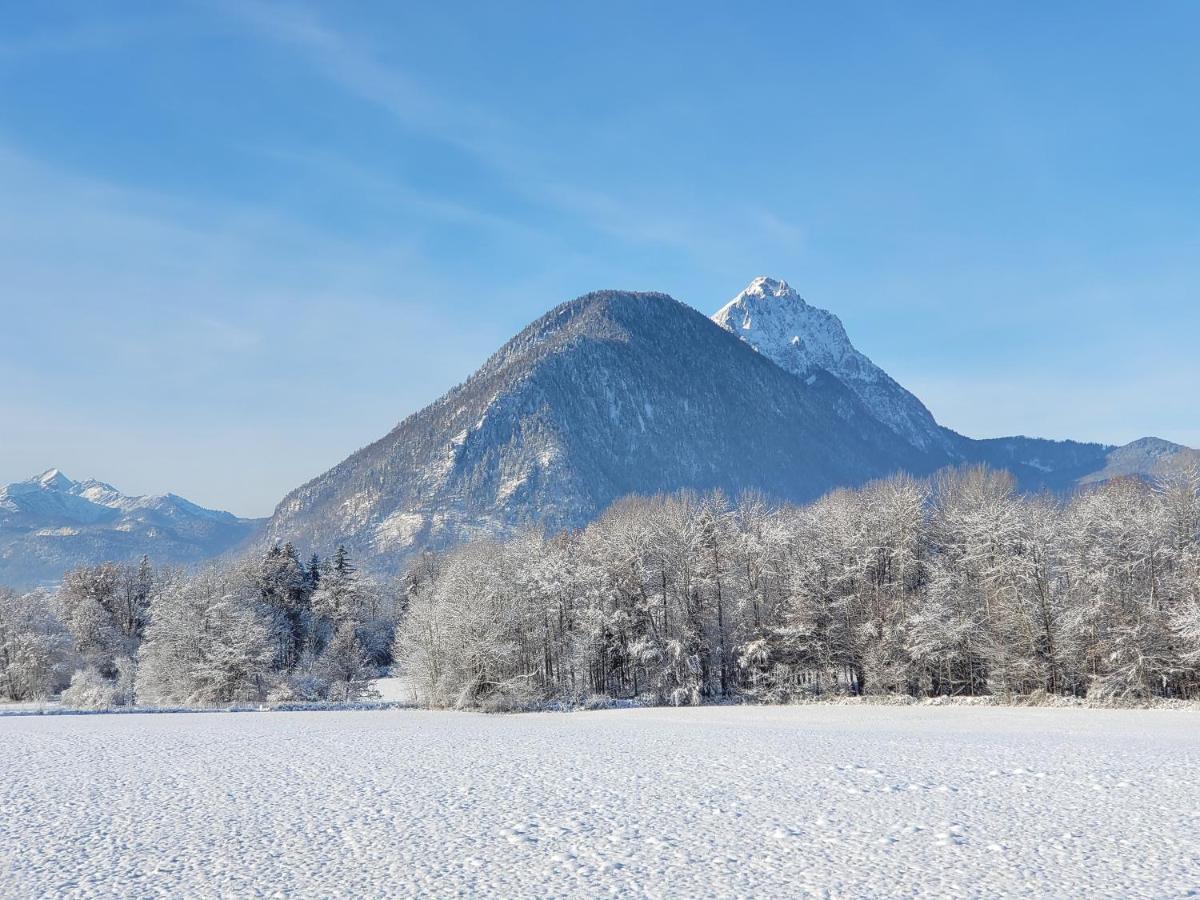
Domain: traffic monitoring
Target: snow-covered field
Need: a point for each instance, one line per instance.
(782, 801)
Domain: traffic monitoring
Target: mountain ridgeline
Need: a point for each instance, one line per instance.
(619, 393)
(50, 523)
(611, 394)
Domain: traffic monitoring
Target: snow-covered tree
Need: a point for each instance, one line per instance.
(88, 600)
(346, 664)
(37, 654)
(208, 642)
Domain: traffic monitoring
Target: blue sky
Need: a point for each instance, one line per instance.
(240, 240)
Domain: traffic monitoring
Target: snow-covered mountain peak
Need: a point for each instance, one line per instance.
(777, 284)
(773, 319)
(766, 286)
(54, 480)
(764, 299)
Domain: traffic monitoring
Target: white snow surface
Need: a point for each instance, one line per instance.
(834, 801)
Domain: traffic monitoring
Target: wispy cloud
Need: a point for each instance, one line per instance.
(90, 36)
(189, 319)
(516, 161)
(781, 229)
(63, 231)
(384, 188)
(357, 68)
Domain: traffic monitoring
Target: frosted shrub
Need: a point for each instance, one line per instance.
(301, 687)
(91, 690)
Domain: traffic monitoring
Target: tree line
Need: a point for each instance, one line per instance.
(264, 629)
(957, 585)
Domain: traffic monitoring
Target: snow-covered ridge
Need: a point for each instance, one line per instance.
(777, 322)
(54, 493)
(50, 523)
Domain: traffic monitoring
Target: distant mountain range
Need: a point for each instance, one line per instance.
(50, 523)
(610, 394)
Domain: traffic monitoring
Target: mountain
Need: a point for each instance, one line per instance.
(617, 393)
(1145, 456)
(610, 394)
(50, 524)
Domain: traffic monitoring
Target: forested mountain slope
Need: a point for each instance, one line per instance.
(610, 394)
